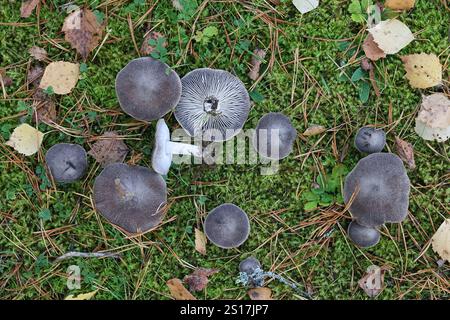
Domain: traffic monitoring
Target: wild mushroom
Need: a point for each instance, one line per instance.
(164, 149)
(130, 197)
(378, 188)
(67, 162)
(214, 104)
(370, 140)
(363, 236)
(249, 266)
(227, 226)
(433, 120)
(147, 88)
(274, 136)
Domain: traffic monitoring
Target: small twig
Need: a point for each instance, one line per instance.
(74, 254)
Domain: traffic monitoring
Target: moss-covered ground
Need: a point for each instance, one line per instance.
(301, 77)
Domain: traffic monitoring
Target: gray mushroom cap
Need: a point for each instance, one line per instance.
(274, 136)
(214, 104)
(147, 89)
(363, 236)
(227, 226)
(131, 197)
(67, 162)
(381, 187)
(370, 140)
(249, 265)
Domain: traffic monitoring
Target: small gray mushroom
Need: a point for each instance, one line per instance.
(147, 89)
(363, 236)
(370, 140)
(130, 197)
(249, 265)
(67, 162)
(274, 136)
(227, 226)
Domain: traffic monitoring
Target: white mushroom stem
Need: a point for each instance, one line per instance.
(184, 148)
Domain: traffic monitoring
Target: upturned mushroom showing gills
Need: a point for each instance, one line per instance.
(130, 197)
(164, 149)
(147, 89)
(214, 104)
(378, 189)
(67, 162)
(370, 140)
(274, 136)
(227, 226)
(363, 236)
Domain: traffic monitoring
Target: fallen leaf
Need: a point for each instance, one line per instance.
(82, 296)
(200, 241)
(433, 119)
(178, 291)
(34, 75)
(109, 149)
(198, 279)
(44, 107)
(4, 79)
(27, 8)
(440, 241)
(255, 63)
(372, 50)
(399, 4)
(25, 139)
(38, 53)
(305, 6)
(423, 70)
(314, 130)
(406, 152)
(177, 5)
(260, 294)
(61, 76)
(373, 281)
(391, 36)
(82, 31)
(147, 48)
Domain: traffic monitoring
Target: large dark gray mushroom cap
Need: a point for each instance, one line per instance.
(370, 140)
(67, 162)
(131, 197)
(382, 189)
(363, 236)
(227, 226)
(147, 88)
(277, 127)
(214, 104)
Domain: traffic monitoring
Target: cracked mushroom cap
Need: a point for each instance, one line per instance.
(380, 187)
(147, 89)
(214, 104)
(131, 197)
(274, 136)
(370, 140)
(67, 162)
(227, 226)
(362, 236)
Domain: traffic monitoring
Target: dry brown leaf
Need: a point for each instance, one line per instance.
(400, 4)
(109, 149)
(405, 151)
(391, 36)
(61, 76)
(44, 107)
(314, 130)
(34, 75)
(82, 31)
(373, 281)
(178, 291)
(255, 63)
(198, 279)
(38, 53)
(27, 8)
(25, 139)
(4, 79)
(423, 70)
(260, 294)
(146, 48)
(372, 50)
(200, 241)
(441, 240)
